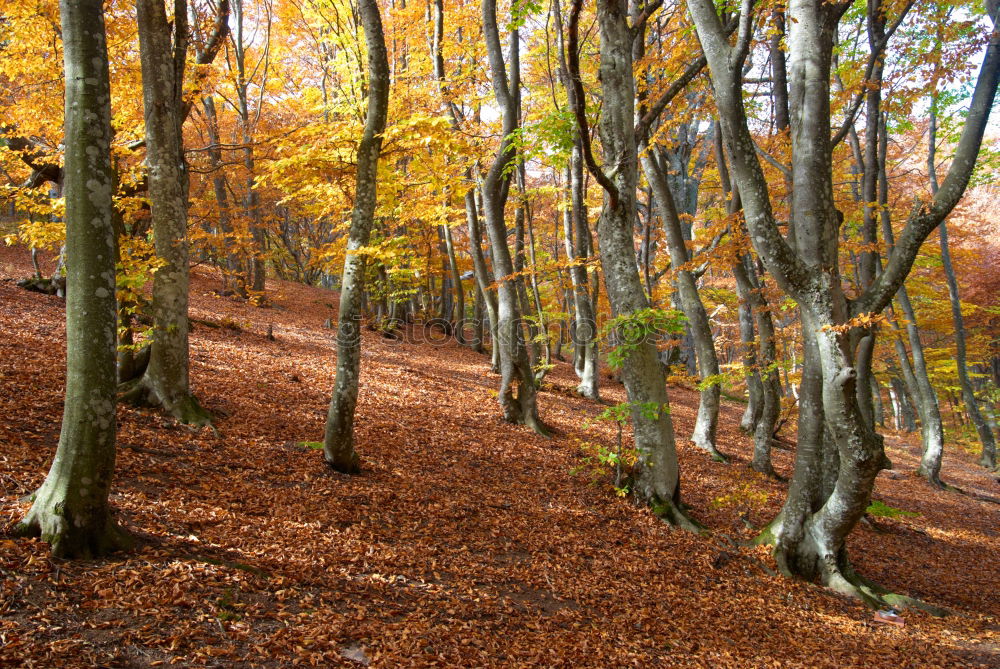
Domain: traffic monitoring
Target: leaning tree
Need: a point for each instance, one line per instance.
(839, 454)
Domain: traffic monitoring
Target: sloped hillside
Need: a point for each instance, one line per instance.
(465, 542)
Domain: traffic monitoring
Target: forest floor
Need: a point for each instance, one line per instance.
(466, 542)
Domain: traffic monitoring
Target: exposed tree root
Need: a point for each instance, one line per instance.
(537, 425)
(71, 537)
(839, 575)
(186, 409)
(674, 514)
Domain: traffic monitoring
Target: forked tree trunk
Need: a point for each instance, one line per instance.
(838, 454)
(70, 510)
(338, 439)
(656, 472)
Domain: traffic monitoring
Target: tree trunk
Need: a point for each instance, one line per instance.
(656, 472)
(517, 386)
(338, 441)
(232, 273)
(690, 301)
(578, 251)
(166, 381)
(70, 510)
(989, 455)
(481, 273)
(765, 372)
(456, 281)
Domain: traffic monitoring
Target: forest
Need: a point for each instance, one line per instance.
(499, 333)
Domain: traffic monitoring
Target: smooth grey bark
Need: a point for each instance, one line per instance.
(905, 417)
(517, 385)
(928, 408)
(877, 401)
(839, 455)
(988, 458)
(232, 275)
(577, 236)
(656, 473)
(690, 302)
(748, 343)
(915, 373)
(258, 265)
(765, 372)
(541, 336)
(456, 281)
(481, 273)
(166, 381)
(70, 510)
(338, 439)
(764, 385)
(577, 251)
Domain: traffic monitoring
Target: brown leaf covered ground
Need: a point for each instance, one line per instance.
(466, 542)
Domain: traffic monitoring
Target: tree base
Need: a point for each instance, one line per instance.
(767, 469)
(537, 425)
(711, 450)
(344, 461)
(186, 409)
(674, 514)
(69, 537)
(839, 576)
(931, 477)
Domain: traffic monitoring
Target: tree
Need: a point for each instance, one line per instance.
(517, 383)
(71, 510)
(989, 454)
(839, 454)
(656, 472)
(338, 442)
(163, 47)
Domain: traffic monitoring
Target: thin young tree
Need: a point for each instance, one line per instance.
(70, 510)
(656, 472)
(988, 458)
(338, 441)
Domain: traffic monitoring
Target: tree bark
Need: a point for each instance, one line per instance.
(166, 381)
(577, 235)
(338, 441)
(707, 421)
(70, 510)
(481, 272)
(656, 473)
(517, 385)
(989, 454)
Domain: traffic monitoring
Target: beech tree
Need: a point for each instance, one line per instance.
(338, 441)
(517, 382)
(71, 510)
(839, 454)
(163, 47)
